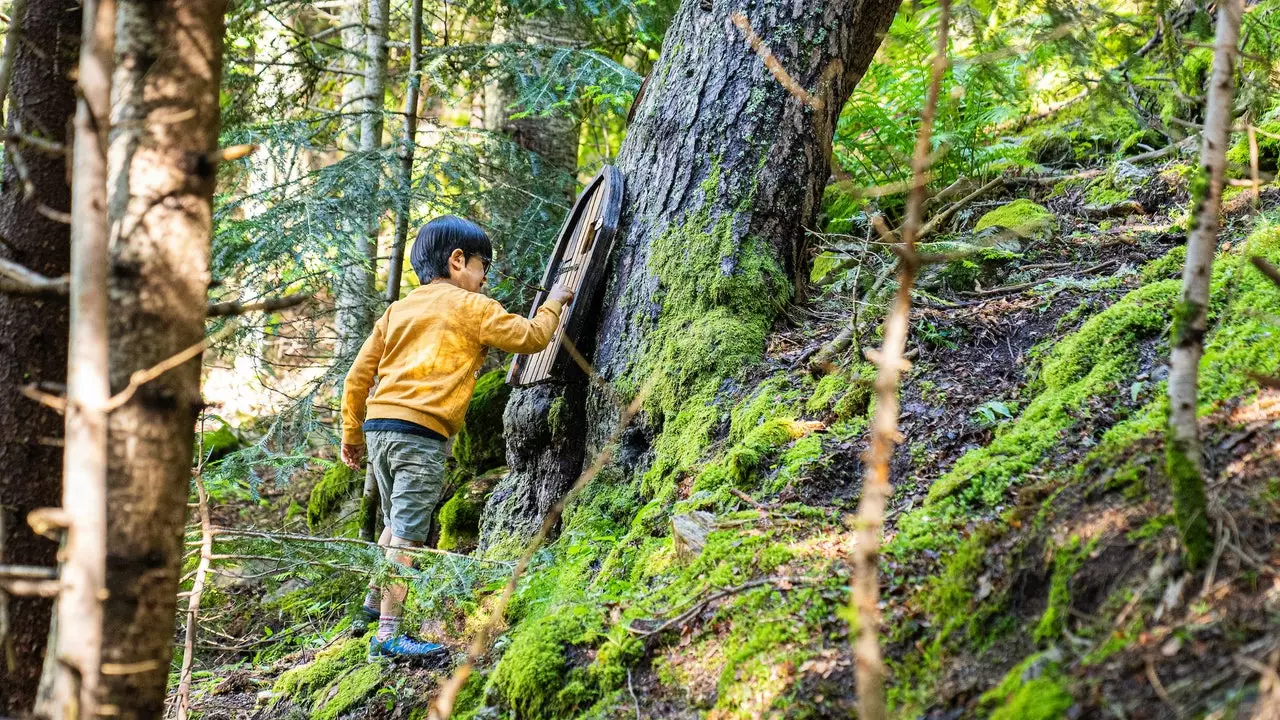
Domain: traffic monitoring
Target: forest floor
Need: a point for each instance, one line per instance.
(1031, 566)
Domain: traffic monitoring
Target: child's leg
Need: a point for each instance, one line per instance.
(392, 608)
(417, 469)
(373, 596)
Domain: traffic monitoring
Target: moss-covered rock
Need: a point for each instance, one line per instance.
(297, 683)
(479, 445)
(1022, 217)
(337, 484)
(535, 677)
(348, 691)
(213, 445)
(459, 517)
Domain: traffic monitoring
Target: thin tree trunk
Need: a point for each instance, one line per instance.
(396, 267)
(162, 178)
(1184, 460)
(356, 309)
(77, 643)
(33, 329)
(350, 281)
(17, 12)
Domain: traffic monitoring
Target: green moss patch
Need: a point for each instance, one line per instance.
(337, 484)
(1021, 217)
(479, 445)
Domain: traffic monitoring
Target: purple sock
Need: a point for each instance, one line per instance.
(388, 627)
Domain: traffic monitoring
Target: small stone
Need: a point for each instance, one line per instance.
(689, 533)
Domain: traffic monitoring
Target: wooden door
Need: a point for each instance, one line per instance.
(578, 261)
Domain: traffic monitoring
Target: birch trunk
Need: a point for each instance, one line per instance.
(33, 330)
(161, 184)
(1184, 459)
(356, 307)
(73, 676)
(395, 268)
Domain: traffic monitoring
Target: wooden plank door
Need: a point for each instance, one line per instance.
(578, 260)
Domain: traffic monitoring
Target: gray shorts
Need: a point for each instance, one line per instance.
(409, 470)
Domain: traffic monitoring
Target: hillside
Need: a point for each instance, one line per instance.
(1031, 566)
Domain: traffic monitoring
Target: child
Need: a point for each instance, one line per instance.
(425, 351)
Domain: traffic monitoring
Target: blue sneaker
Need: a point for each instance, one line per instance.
(404, 647)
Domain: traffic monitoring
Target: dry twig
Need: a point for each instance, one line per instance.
(226, 309)
(884, 425)
(771, 62)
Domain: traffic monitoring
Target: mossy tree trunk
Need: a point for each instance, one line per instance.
(162, 172)
(33, 329)
(725, 168)
(1184, 461)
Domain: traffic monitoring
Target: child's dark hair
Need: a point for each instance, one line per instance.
(439, 238)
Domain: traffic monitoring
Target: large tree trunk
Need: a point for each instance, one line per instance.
(724, 168)
(162, 177)
(33, 329)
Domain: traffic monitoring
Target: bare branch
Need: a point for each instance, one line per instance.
(226, 309)
(17, 279)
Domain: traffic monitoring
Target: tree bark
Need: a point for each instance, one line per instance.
(33, 329)
(395, 268)
(356, 305)
(1184, 461)
(552, 138)
(725, 168)
(161, 183)
(72, 678)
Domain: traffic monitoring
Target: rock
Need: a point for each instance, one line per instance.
(1023, 218)
(689, 533)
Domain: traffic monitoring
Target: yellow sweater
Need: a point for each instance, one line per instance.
(425, 351)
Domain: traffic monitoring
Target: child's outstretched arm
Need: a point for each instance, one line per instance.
(355, 392)
(512, 333)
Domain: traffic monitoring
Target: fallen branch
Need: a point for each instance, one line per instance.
(955, 207)
(226, 309)
(197, 590)
(1266, 268)
(19, 280)
(294, 537)
(780, 581)
(1007, 289)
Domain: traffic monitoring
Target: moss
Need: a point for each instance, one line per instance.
(1041, 698)
(1086, 364)
(534, 678)
(718, 294)
(337, 484)
(802, 455)
(459, 518)
(1190, 506)
(328, 664)
(1165, 267)
(555, 415)
(1067, 561)
(216, 444)
(846, 393)
(479, 445)
(1022, 217)
(347, 692)
(739, 463)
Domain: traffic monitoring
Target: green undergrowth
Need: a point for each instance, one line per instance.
(1094, 366)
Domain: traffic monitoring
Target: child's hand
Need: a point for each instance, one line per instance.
(561, 294)
(352, 455)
